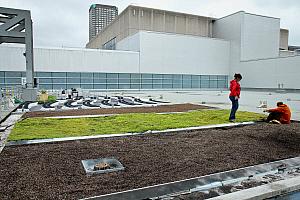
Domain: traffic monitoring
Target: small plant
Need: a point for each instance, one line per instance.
(43, 92)
(51, 99)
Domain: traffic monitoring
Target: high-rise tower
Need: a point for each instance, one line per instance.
(99, 17)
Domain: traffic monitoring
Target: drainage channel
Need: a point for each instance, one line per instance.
(290, 196)
(253, 175)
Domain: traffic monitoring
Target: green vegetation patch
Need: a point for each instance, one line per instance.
(42, 128)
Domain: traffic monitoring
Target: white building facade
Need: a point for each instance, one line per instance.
(240, 43)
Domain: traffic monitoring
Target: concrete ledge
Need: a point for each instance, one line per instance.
(264, 191)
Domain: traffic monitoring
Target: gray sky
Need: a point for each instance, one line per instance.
(60, 23)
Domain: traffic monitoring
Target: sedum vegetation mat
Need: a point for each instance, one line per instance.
(42, 128)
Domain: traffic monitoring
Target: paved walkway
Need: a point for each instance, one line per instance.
(6, 128)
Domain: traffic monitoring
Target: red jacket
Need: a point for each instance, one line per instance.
(235, 88)
(285, 112)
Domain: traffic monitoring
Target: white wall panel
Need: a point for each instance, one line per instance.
(182, 54)
(268, 73)
(230, 28)
(71, 60)
(260, 37)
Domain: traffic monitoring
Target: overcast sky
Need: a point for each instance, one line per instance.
(64, 23)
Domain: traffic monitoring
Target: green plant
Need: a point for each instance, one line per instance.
(51, 99)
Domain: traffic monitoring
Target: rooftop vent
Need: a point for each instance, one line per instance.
(101, 165)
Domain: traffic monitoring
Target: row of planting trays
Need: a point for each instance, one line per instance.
(90, 102)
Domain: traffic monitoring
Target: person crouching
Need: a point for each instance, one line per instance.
(279, 115)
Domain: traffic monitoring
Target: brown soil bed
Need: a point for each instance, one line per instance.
(99, 111)
(54, 171)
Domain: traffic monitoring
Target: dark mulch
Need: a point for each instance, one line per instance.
(99, 111)
(54, 171)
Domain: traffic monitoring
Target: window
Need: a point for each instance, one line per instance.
(69, 86)
(112, 86)
(73, 80)
(134, 86)
(45, 86)
(58, 74)
(204, 81)
(186, 81)
(86, 80)
(167, 86)
(125, 76)
(177, 81)
(59, 86)
(195, 81)
(59, 80)
(90, 80)
(43, 74)
(111, 76)
(73, 74)
(99, 75)
(135, 76)
(146, 86)
(45, 80)
(124, 86)
(110, 45)
(13, 74)
(99, 86)
(13, 81)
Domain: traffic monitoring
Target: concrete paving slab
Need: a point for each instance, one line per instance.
(8, 125)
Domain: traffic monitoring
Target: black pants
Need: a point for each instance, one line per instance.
(274, 115)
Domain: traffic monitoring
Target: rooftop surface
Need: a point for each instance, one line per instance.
(248, 102)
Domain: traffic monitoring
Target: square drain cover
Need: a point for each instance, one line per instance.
(101, 165)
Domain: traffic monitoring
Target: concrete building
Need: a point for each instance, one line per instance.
(134, 19)
(100, 16)
(162, 58)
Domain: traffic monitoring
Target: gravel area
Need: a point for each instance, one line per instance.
(54, 171)
(99, 111)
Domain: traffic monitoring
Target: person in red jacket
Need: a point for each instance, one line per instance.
(235, 91)
(279, 115)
